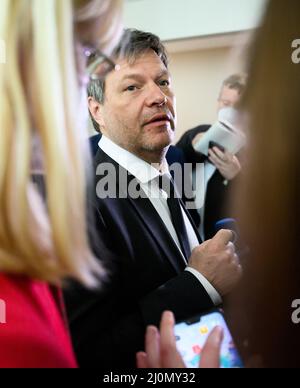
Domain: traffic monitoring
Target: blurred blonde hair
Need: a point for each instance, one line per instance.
(40, 96)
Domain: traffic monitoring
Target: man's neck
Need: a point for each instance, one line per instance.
(155, 158)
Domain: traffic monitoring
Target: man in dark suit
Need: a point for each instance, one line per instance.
(149, 244)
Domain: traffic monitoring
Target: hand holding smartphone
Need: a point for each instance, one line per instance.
(192, 334)
(213, 144)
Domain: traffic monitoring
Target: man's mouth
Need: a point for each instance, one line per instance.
(159, 120)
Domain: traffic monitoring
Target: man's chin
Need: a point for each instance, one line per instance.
(160, 141)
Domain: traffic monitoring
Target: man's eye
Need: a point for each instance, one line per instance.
(131, 88)
(164, 82)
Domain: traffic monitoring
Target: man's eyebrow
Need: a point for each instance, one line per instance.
(163, 73)
(139, 77)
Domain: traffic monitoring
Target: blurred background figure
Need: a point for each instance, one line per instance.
(232, 89)
(220, 168)
(43, 123)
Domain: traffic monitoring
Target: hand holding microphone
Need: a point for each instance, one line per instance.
(231, 224)
(217, 261)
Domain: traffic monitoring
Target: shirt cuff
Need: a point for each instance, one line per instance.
(212, 292)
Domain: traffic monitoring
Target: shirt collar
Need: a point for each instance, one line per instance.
(137, 167)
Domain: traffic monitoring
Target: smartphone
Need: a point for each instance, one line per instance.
(213, 144)
(192, 334)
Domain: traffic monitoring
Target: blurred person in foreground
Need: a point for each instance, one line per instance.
(267, 203)
(42, 116)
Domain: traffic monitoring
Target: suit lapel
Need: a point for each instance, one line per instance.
(159, 232)
(191, 221)
(149, 216)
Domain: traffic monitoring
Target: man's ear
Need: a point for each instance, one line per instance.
(95, 109)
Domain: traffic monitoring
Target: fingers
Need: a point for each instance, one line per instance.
(220, 159)
(167, 329)
(225, 156)
(161, 351)
(237, 266)
(240, 271)
(170, 358)
(141, 360)
(235, 260)
(231, 247)
(152, 347)
(219, 163)
(210, 357)
(220, 154)
(223, 237)
(235, 237)
(150, 358)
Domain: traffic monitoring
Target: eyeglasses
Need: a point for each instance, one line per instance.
(98, 64)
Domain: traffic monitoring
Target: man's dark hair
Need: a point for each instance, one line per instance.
(132, 45)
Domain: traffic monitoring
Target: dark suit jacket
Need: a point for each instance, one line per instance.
(146, 277)
(175, 155)
(217, 195)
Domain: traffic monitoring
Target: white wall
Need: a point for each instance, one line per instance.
(178, 19)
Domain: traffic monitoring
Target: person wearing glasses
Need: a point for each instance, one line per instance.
(42, 84)
(150, 235)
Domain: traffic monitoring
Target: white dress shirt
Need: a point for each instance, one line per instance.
(207, 171)
(147, 176)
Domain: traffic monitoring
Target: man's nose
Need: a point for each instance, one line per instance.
(156, 96)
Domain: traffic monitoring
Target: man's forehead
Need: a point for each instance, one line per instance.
(148, 59)
(227, 90)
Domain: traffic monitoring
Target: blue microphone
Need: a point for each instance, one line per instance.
(231, 224)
